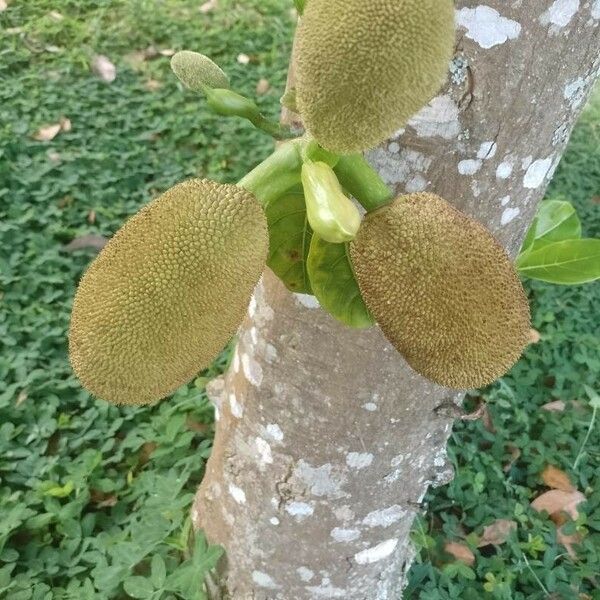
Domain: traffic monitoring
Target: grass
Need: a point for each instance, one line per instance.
(95, 499)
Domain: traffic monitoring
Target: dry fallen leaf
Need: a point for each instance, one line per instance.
(515, 454)
(208, 6)
(102, 499)
(103, 68)
(47, 132)
(497, 533)
(86, 241)
(556, 479)
(55, 15)
(23, 395)
(262, 87)
(554, 406)
(3, 5)
(243, 59)
(91, 218)
(53, 156)
(167, 52)
(153, 85)
(556, 502)
(460, 552)
(534, 336)
(568, 541)
(65, 124)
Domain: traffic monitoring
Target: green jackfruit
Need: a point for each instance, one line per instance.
(167, 292)
(442, 289)
(364, 68)
(197, 71)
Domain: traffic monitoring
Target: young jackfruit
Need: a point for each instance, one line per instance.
(167, 292)
(197, 71)
(442, 289)
(363, 68)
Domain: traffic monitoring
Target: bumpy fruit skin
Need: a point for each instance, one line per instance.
(197, 71)
(363, 68)
(167, 292)
(443, 291)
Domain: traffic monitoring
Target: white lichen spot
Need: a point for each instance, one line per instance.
(504, 201)
(487, 150)
(236, 362)
(475, 189)
(438, 119)
(344, 535)
(195, 516)
(596, 9)
(300, 510)
(560, 13)
(417, 184)
(237, 410)
(370, 406)
(575, 91)
(326, 590)
(458, 69)
(307, 300)
(536, 173)
(526, 162)
(320, 480)
(376, 553)
(359, 460)
(252, 370)
(469, 166)
(344, 513)
(274, 432)
(394, 147)
(254, 335)
(305, 574)
(487, 27)
(252, 306)
(384, 517)
(270, 353)
(264, 451)
(237, 493)
(509, 215)
(274, 521)
(263, 580)
(504, 170)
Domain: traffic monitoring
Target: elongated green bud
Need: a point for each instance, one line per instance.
(230, 104)
(330, 213)
(197, 71)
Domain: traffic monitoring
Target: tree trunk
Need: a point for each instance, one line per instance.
(327, 441)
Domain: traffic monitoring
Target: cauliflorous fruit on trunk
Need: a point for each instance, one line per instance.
(442, 289)
(167, 292)
(364, 68)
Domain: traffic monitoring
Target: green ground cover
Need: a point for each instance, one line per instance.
(94, 499)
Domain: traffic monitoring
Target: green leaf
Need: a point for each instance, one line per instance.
(594, 397)
(334, 285)
(138, 587)
(555, 221)
(158, 571)
(50, 488)
(569, 262)
(289, 240)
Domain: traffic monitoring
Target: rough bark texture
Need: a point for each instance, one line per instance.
(327, 441)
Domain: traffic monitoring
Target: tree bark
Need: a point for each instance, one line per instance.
(326, 440)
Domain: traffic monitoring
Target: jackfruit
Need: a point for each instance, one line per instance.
(364, 68)
(442, 289)
(197, 71)
(167, 292)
